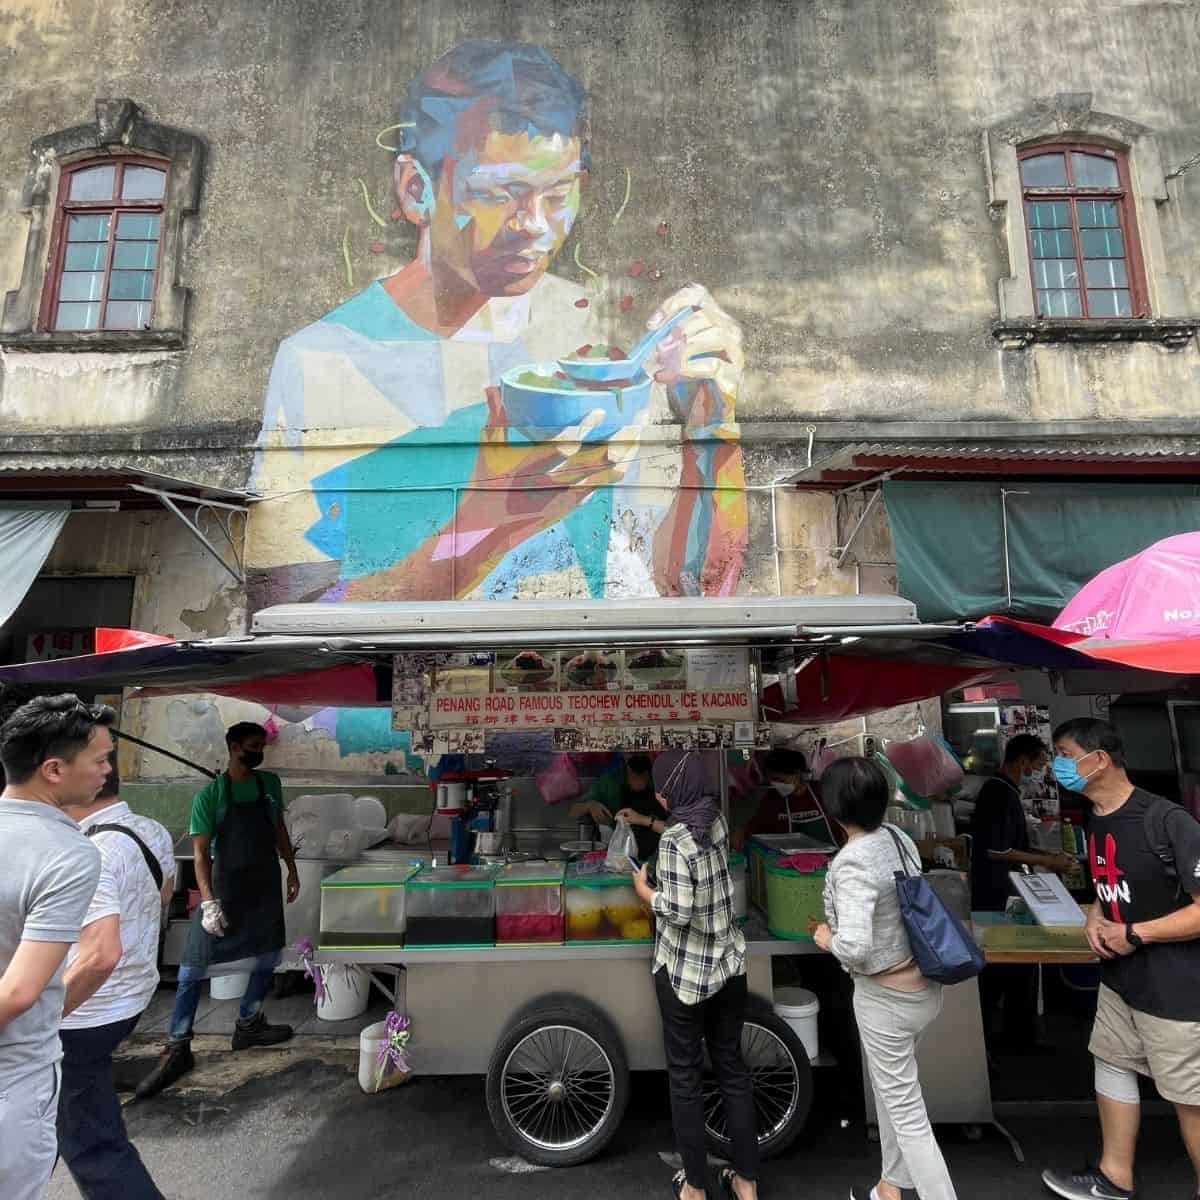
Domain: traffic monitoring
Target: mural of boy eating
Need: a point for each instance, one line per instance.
(454, 500)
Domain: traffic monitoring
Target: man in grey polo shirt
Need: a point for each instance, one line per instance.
(55, 752)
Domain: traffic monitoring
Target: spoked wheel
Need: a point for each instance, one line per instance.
(558, 1083)
(782, 1084)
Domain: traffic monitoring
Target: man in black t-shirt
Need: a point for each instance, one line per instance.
(1000, 844)
(1144, 854)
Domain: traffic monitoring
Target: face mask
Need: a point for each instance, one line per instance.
(1066, 771)
(1027, 778)
(784, 789)
(252, 758)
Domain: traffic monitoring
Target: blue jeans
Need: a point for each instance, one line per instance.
(91, 1132)
(187, 994)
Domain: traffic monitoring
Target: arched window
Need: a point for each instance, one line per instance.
(105, 250)
(1082, 233)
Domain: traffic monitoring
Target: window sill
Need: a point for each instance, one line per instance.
(103, 341)
(1172, 332)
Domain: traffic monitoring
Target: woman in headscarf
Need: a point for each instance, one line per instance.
(700, 975)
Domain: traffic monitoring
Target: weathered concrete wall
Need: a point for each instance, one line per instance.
(829, 173)
(819, 167)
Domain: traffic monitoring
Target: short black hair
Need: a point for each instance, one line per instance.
(243, 731)
(1024, 745)
(785, 762)
(639, 764)
(512, 87)
(855, 791)
(48, 727)
(1089, 733)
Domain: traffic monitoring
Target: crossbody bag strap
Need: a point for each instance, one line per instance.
(155, 866)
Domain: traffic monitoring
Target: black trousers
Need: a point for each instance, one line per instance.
(687, 1028)
(1013, 986)
(91, 1131)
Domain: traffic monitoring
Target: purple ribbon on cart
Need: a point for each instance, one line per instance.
(394, 1050)
(314, 971)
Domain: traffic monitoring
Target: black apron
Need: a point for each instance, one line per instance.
(246, 880)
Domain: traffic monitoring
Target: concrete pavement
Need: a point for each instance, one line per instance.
(277, 1125)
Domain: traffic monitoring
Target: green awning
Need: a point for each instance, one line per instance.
(1022, 549)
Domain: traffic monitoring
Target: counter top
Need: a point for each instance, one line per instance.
(758, 944)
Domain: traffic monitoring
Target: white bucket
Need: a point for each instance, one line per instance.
(347, 991)
(228, 987)
(369, 1043)
(799, 1008)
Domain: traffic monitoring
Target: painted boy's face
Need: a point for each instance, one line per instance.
(504, 210)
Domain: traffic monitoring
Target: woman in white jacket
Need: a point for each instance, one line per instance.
(893, 1002)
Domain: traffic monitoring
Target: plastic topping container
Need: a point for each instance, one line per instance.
(795, 902)
(603, 907)
(451, 907)
(529, 905)
(364, 907)
(764, 847)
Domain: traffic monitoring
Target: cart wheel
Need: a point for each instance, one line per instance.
(782, 1084)
(558, 1082)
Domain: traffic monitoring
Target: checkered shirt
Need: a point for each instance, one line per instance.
(696, 935)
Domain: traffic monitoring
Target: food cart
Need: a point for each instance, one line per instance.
(556, 1029)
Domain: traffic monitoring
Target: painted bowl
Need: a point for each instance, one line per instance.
(541, 402)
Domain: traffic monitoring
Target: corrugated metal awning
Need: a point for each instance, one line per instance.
(862, 462)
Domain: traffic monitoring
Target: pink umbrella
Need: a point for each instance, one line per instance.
(1153, 595)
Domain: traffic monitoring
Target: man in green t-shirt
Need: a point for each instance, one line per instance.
(238, 836)
(627, 792)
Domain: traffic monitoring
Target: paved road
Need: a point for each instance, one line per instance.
(306, 1131)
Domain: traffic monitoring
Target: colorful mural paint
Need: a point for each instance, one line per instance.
(482, 467)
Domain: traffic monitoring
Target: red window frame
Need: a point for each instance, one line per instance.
(1126, 215)
(65, 208)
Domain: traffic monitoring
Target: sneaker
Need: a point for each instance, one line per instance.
(1089, 1184)
(175, 1061)
(256, 1032)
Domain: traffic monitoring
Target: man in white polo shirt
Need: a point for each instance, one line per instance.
(111, 977)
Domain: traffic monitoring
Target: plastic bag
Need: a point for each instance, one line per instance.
(559, 781)
(925, 765)
(822, 757)
(622, 849)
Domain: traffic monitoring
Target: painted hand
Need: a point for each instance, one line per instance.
(704, 348)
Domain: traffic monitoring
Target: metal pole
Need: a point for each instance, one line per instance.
(128, 737)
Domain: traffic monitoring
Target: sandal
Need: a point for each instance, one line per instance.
(725, 1177)
(678, 1180)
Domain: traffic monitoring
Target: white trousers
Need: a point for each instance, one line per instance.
(890, 1025)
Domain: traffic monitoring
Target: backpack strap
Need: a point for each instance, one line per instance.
(1155, 826)
(151, 862)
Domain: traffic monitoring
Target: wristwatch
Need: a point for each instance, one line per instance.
(1132, 938)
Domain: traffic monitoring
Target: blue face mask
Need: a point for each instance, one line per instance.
(1066, 771)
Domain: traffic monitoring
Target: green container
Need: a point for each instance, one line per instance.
(364, 908)
(795, 901)
(451, 907)
(603, 909)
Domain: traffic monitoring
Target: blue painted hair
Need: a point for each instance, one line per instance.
(516, 87)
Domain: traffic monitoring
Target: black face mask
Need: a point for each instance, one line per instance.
(252, 758)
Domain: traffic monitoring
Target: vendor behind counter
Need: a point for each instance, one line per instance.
(785, 803)
(627, 792)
